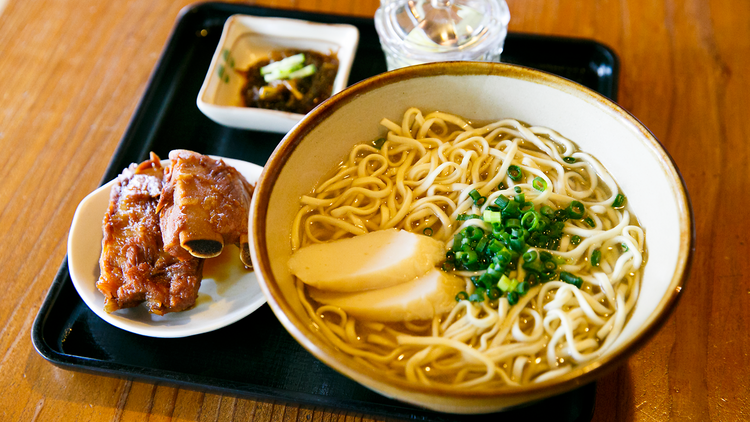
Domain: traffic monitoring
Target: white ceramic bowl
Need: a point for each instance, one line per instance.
(484, 92)
(247, 39)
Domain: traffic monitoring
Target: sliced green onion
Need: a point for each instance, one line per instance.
(479, 200)
(304, 72)
(531, 221)
(512, 298)
(590, 222)
(504, 283)
(284, 65)
(492, 216)
(462, 296)
(569, 160)
(513, 223)
(511, 210)
(619, 201)
(294, 73)
(539, 184)
(467, 258)
(523, 288)
(378, 143)
(571, 279)
(547, 211)
(515, 173)
(495, 246)
(493, 293)
(485, 281)
(477, 296)
(517, 245)
(473, 233)
(482, 244)
(458, 239)
(501, 186)
(464, 217)
(517, 189)
(575, 239)
(427, 231)
(561, 215)
(575, 210)
(513, 284)
(530, 256)
(502, 201)
(531, 278)
(596, 256)
(624, 247)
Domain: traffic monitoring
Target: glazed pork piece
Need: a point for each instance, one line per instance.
(134, 266)
(204, 205)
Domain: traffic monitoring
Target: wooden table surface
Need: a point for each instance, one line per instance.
(73, 72)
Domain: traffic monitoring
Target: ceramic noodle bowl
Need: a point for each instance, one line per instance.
(480, 92)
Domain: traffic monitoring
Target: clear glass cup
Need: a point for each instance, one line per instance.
(422, 31)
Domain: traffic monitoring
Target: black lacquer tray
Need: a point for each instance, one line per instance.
(256, 357)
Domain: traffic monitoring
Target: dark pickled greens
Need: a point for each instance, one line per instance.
(293, 80)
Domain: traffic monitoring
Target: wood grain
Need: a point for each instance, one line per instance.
(74, 71)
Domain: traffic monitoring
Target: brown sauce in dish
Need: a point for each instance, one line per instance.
(292, 95)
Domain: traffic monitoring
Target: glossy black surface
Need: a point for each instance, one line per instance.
(256, 357)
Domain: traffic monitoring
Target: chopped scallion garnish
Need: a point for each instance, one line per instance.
(539, 184)
(515, 173)
(596, 256)
(492, 216)
(575, 210)
(502, 201)
(477, 296)
(619, 201)
(464, 217)
(479, 200)
(284, 65)
(571, 279)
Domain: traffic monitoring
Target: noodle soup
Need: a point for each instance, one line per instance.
(549, 254)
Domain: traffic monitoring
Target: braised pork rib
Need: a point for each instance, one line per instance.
(204, 205)
(134, 266)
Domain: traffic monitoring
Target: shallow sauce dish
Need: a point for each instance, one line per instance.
(480, 92)
(228, 291)
(248, 39)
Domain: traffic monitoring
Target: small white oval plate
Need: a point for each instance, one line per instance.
(228, 291)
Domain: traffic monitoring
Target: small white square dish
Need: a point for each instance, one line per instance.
(246, 40)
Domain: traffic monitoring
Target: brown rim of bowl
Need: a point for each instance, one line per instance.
(579, 376)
